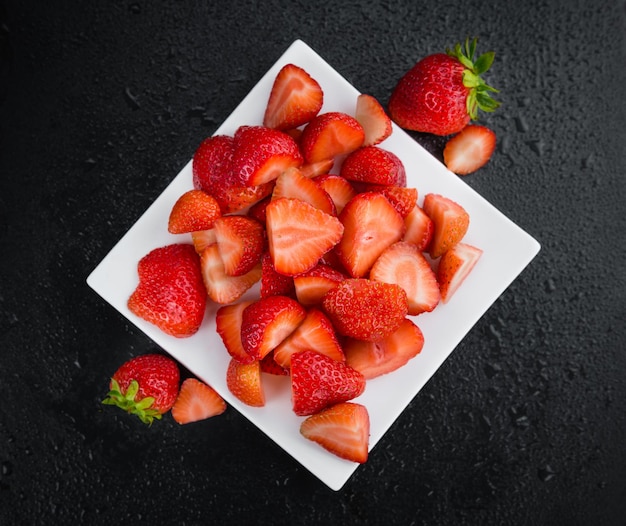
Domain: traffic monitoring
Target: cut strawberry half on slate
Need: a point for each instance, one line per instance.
(470, 149)
(196, 401)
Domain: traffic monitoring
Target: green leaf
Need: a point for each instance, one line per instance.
(484, 62)
(486, 103)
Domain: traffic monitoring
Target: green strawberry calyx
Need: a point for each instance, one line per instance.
(479, 91)
(141, 408)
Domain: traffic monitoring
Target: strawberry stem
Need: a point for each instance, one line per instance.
(126, 401)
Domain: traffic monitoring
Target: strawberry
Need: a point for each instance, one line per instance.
(310, 286)
(371, 224)
(269, 366)
(339, 189)
(261, 154)
(454, 266)
(267, 322)
(240, 242)
(317, 168)
(299, 234)
(365, 309)
(192, 211)
(443, 92)
(244, 382)
(402, 198)
(418, 228)
(403, 264)
(319, 381)
(470, 149)
(257, 210)
(145, 386)
(202, 239)
(295, 99)
(343, 429)
(375, 165)
(228, 327)
(196, 401)
(292, 183)
(330, 135)
(374, 359)
(273, 283)
(315, 332)
(170, 293)
(371, 115)
(450, 223)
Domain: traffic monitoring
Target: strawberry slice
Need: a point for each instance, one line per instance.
(330, 135)
(339, 189)
(402, 198)
(371, 224)
(292, 183)
(315, 332)
(450, 223)
(267, 322)
(196, 401)
(269, 366)
(418, 228)
(241, 243)
(374, 165)
(228, 326)
(244, 382)
(454, 266)
(192, 211)
(375, 121)
(470, 149)
(374, 359)
(257, 210)
(343, 429)
(403, 264)
(299, 234)
(295, 99)
(202, 239)
(318, 168)
(319, 381)
(272, 282)
(311, 286)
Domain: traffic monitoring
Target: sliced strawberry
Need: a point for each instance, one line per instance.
(365, 309)
(418, 228)
(339, 189)
(228, 326)
(470, 149)
(257, 210)
(202, 239)
(330, 135)
(318, 381)
(269, 366)
(295, 99)
(375, 121)
(311, 286)
(315, 332)
(371, 224)
(450, 223)
(402, 198)
(403, 264)
(292, 183)
(194, 210)
(318, 168)
(299, 234)
(374, 359)
(272, 282)
(374, 165)
(241, 243)
(454, 267)
(196, 401)
(267, 322)
(244, 382)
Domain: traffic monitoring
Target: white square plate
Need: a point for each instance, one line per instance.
(507, 251)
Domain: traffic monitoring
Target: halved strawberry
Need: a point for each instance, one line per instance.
(403, 264)
(370, 224)
(454, 266)
(299, 234)
(375, 121)
(402, 198)
(196, 401)
(292, 183)
(311, 286)
(267, 322)
(418, 228)
(317, 168)
(319, 381)
(330, 135)
(374, 165)
(244, 382)
(257, 210)
(470, 149)
(228, 327)
(295, 99)
(450, 223)
(315, 332)
(374, 359)
(192, 211)
(343, 429)
(273, 283)
(202, 239)
(339, 189)
(241, 243)
(269, 366)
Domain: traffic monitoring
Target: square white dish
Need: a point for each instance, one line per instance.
(507, 250)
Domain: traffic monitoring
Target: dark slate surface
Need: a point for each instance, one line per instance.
(102, 103)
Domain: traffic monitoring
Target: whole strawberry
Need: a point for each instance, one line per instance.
(443, 92)
(145, 386)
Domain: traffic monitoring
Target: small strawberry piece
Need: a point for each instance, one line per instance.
(371, 224)
(315, 332)
(403, 264)
(267, 322)
(194, 210)
(196, 401)
(365, 309)
(374, 359)
(292, 183)
(450, 223)
(272, 282)
(228, 327)
(311, 286)
(295, 99)
(343, 429)
(330, 135)
(454, 267)
(257, 210)
(418, 228)
(170, 293)
(244, 382)
(402, 198)
(374, 165)
(375, 121)
(241, 243)
(261, 154)
(339, 189)
(202, 239)
(470, 149)
(318, 381)
(269, 366)
(145, 386)
(299, 234)
(318, 168)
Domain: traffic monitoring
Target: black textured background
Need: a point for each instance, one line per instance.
(102, 103)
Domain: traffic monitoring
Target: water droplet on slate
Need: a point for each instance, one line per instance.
(131, 99)
(545, 473)
(7, 468)
(521, 124)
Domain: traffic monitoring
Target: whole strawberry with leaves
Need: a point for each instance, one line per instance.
(443, 92)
